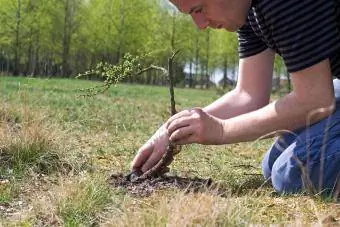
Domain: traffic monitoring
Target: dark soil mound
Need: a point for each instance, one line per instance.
(146, 187)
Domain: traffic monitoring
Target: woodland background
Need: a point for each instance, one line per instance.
(61, 38)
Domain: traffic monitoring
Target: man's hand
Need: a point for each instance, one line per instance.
(152, 151)
(195, 126)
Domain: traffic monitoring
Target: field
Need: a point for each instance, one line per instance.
(58, 149)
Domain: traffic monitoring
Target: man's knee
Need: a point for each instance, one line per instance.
(266, 168)
(274, 152)
(270, 157)
(286, 177)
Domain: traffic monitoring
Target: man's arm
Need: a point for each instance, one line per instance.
(253, 87)
(311, 100)
(251, 93)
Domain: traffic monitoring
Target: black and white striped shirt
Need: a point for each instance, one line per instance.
(303, 32)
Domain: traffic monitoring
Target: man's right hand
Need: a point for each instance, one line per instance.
(152, 151)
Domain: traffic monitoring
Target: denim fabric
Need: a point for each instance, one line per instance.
(308, 159)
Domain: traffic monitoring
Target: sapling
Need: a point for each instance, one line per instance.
(112, 74)
(133, 66)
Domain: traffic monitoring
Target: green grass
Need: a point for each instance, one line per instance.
(53, 129)
(28, 144)
(83, 201)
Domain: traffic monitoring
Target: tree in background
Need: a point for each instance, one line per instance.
(65, 37)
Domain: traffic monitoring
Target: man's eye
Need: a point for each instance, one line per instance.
(196, 9)
(199, 10)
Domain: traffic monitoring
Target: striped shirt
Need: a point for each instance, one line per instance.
(303, 32)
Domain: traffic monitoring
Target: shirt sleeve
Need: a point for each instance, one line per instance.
(249, 43)
(307, 33)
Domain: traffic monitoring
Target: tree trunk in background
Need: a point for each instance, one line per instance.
(29, 60)
(35, 69)
(288, 81)
(173, 31)
(225, 72)
(191, 79)
(148, 78)
(30, 49)
(279, 80)
(207, 63)
(16, 70)
(67, 37)
(121, 28)
(30, 55)
(197, 49)
(202, 75)
(7, 64)
(234, 71)
(2, 60)
(154, 77)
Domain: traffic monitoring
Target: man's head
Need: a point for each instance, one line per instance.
(228, 14)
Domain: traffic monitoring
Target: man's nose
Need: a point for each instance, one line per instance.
(200, 20)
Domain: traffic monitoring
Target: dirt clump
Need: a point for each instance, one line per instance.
(145, 187)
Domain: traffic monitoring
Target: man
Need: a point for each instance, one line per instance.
(306, 34)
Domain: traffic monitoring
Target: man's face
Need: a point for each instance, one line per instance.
(228, 14)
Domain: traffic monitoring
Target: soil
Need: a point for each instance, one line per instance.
(145, 187)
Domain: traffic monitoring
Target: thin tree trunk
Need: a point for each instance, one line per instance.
(17, 40)
(225, 72)
(120, 31)
(36, 60)
(7, 64)
(202, 74)
(173, 33)
(2, 60)
(279, 80)
(67, 38)
(197, 55)
(234, 71)
(208, 56)
(288, 81)
(191, 81)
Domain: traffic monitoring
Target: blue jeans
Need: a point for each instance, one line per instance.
(309, 158)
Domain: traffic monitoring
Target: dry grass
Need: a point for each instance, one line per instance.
(73, 201)
(212, 210)
(29, 143)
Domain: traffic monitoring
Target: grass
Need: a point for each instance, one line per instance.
(29, 143)
(83, 200)
(58, 149)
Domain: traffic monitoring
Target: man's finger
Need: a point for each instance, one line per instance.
(142, 155)
(178, 115)
(179, 123)
(182, 133)
(188, 140)
(154, 158)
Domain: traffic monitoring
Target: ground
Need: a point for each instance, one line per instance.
(58, 151)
